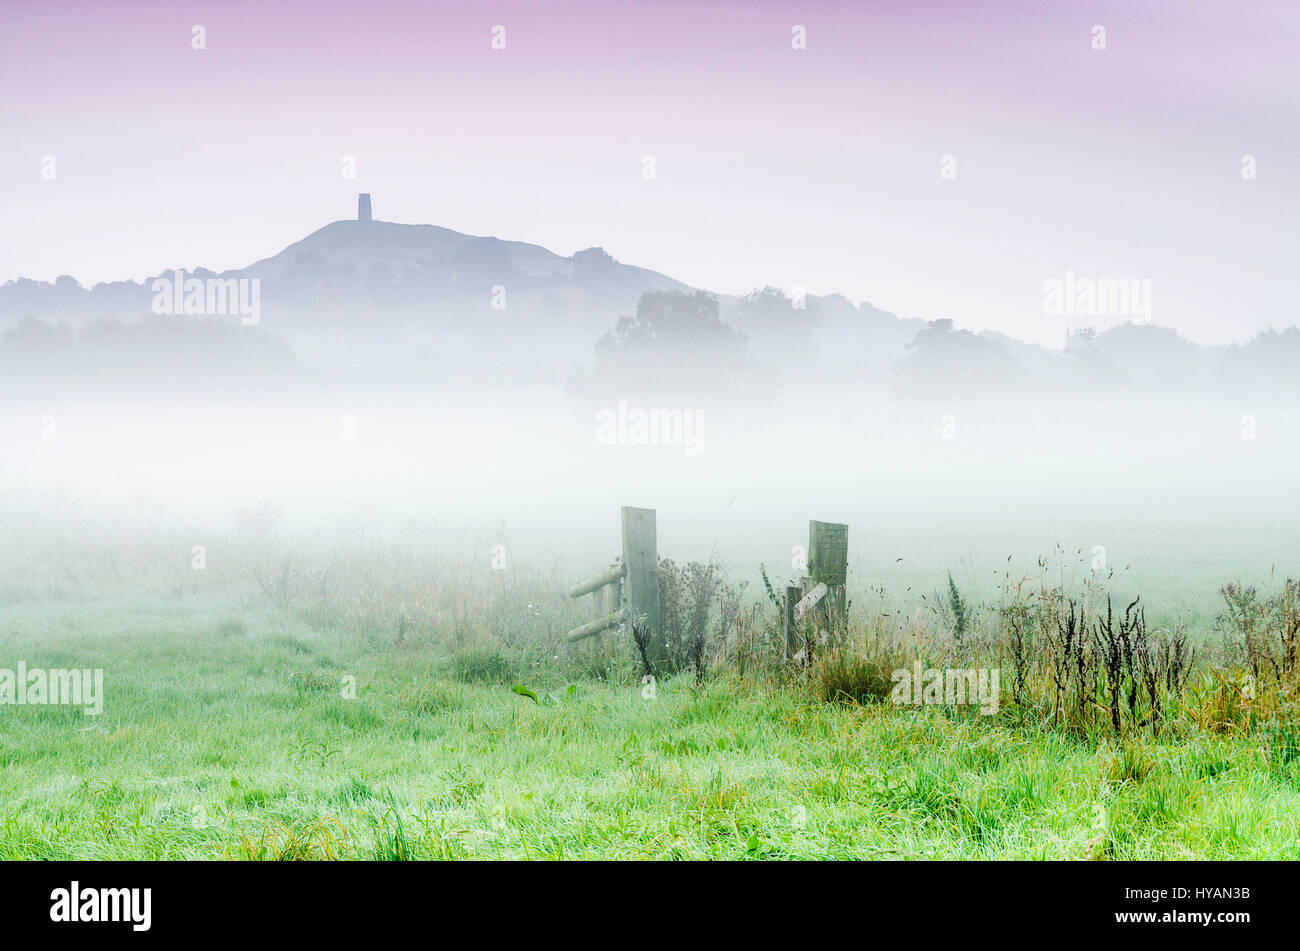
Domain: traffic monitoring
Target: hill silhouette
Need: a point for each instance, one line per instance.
(417, 306)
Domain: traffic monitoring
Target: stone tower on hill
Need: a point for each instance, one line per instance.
(363, 207)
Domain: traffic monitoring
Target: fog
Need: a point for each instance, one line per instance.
(408, 382)
(1179, 496)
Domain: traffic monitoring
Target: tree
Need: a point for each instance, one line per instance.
(671, 327)
(942, 362)
(778, 327)
(675, 351)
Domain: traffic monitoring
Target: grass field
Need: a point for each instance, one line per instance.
(226, 733)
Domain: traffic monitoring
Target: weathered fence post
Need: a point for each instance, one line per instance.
(641, 561)
(828, 562)
(792, 595)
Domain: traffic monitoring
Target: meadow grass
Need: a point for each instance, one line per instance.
(227, 733)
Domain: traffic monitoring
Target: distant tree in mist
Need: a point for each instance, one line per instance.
(779, 328)
(35, 338)
(1154, 358)
(676, 350)
(63, 296)
(942, 362)
(669, 327)
(1269, 364)
(157, 356)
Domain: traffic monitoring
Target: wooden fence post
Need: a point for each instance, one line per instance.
(641, 560)
(828, 562)
(792, 595)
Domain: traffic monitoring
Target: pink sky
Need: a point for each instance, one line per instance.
(817, 168)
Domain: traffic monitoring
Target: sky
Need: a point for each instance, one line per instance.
(820, 168)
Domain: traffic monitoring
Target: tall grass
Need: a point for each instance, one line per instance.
(226, 734)
(1073, 661)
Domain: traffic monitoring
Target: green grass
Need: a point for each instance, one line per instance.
(226, 734)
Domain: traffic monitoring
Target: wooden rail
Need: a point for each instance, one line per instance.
(615, 573)
(598, 626)
(806, 603)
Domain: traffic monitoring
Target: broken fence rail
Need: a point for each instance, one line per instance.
(809, 600)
